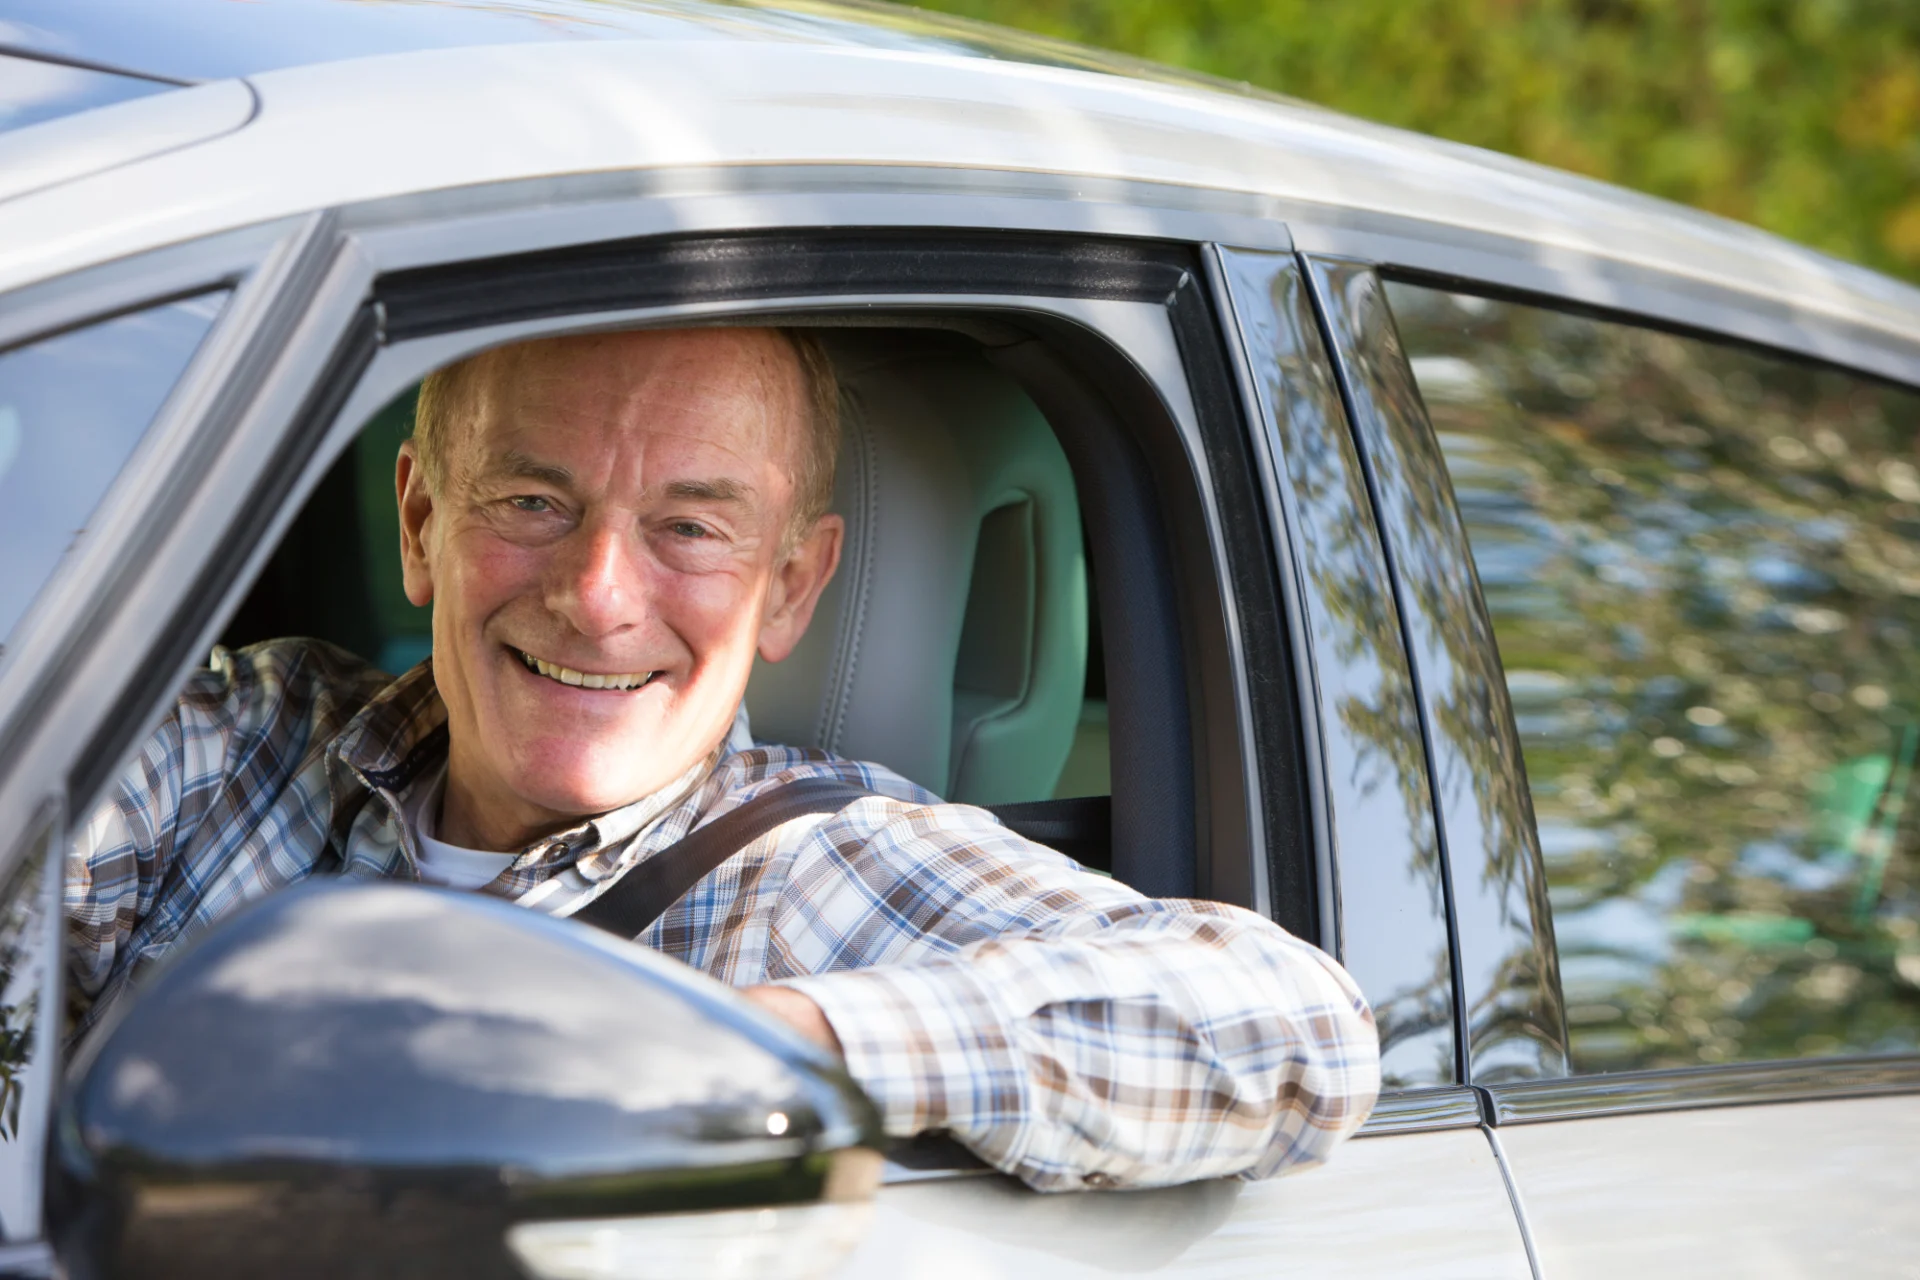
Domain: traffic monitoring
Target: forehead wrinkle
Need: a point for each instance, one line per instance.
(532, 390)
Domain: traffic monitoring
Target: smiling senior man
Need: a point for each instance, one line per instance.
(609, 528)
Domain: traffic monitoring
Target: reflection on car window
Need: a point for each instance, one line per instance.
(1703, 568)
(32, 90)
(30, 931)
(72, 407)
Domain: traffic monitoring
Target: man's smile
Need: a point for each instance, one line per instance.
(615, 683)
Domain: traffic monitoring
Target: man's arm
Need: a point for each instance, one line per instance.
(1067, 1029)
(193, 823)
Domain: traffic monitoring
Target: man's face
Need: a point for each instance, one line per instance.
(607, 551)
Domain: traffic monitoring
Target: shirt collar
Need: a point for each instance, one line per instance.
(392, 739)
(399, 735)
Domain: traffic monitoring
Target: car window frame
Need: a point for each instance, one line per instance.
(331, 325)
(264, 408)
(1355, 681)
(427, 313)
(84, 647)
(1644, 300)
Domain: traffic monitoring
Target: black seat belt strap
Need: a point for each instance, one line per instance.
(644, 893)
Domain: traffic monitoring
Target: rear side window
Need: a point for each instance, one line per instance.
(1702, 564)
(72, 407)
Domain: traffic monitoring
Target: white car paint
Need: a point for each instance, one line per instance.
(344, 132)
(75, 146)
(1416, 1206)
(1802, 1189)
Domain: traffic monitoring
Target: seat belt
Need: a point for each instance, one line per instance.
(642, 895)
(1080, 828)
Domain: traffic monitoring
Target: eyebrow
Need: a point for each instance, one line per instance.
(520, 465)
(709, 490)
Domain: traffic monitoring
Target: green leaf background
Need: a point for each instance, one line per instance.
(1800, 116)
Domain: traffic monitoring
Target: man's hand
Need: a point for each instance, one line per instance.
(797, 1011)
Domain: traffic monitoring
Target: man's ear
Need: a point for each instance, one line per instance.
(797, 583)
(415, 497)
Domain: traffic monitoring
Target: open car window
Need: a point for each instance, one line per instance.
(959, 643)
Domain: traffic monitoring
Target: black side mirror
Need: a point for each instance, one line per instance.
(381, 1079)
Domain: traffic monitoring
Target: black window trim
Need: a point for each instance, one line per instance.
(1507, 991)
(56, 699)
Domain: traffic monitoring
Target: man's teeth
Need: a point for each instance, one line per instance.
(581, 679)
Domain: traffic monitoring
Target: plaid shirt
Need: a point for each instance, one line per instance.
(1062, 1026)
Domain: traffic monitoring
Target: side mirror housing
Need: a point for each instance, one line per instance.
(383, 1079)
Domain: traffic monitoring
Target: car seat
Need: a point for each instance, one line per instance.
(951, 646)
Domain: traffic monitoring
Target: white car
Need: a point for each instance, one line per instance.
(1507, 582)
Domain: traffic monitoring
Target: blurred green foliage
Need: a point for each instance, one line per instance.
(1802, 116)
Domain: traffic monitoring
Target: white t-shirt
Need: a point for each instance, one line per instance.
(457, 868)
(443, 863)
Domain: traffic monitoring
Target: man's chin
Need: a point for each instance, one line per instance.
(584, 792)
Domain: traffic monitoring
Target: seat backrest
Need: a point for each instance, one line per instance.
(952, 644)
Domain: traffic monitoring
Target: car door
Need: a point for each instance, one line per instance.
(105, 378)
(1420, 1192)
(327, 325)
(1662, 619)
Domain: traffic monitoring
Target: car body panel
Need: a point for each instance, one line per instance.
(103, 137)
(1793, 1189)
(215, 39)
(35, 90)
(369, 128)
(1411, 1206)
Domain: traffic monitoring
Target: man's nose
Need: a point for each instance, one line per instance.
(596, 581)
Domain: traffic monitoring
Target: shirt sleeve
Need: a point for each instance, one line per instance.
(1067, 1029)
(235, 735)
(118, 858)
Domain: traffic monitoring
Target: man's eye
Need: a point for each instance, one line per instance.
(688, 529)
(530, 502)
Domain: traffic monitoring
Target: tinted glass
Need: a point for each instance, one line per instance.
(1703, 568)
(32, 91)
(72, 407)
(1392, 920)
(29, 999)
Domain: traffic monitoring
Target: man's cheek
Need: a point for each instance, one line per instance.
(492, 572)
(715, 614)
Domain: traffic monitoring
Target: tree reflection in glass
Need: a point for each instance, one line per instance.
(1380, 816)
(31, 929)
(1702, 564)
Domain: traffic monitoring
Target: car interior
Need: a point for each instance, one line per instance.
(959, 643)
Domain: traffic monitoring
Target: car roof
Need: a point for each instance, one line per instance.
(195, 40)
(360, 101)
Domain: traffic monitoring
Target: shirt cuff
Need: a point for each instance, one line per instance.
(931, 1046)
